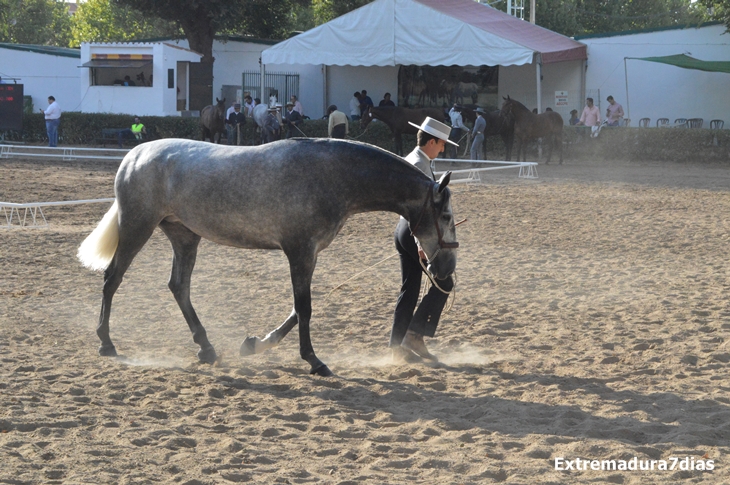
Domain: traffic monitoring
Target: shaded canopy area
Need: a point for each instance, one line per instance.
(686, 62)
(425, 32)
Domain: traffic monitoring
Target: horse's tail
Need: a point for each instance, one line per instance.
(97, 250)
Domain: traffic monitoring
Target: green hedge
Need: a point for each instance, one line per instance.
(659, 144)
(675, 144)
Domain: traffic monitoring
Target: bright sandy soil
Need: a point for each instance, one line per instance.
(591, 320)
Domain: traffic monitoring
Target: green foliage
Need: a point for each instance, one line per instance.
(717, 10)
(202, 20)
(660, 144)
(326, 10)
(41, 22)
(105, 21)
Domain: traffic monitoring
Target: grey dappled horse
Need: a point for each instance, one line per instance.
(293, 195)
(267, 122)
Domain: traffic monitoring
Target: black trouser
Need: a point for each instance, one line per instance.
(339, 131)
(455, 136)
(426, 318)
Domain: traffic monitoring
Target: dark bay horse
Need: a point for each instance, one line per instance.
(497, 124)
(293, 195)
(529, 126)
(397, 118)
(213, 120)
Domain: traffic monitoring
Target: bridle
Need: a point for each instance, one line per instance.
(442, 244)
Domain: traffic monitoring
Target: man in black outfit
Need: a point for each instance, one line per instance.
(292, 119)
(409, 328)
(235, 121)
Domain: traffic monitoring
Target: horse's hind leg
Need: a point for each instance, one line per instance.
(301, 265)
(255, 345)
(131, 240)
(185, 247)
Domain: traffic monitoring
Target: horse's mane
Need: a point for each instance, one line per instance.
(519, 105)
(367, 150)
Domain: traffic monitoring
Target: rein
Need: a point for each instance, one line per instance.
(441, 243)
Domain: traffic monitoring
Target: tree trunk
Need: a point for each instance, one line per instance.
(200, 37)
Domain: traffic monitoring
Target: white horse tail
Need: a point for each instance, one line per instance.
(97, 250)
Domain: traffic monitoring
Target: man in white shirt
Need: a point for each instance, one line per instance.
(355, 106)
(53, 119)
(457, 127)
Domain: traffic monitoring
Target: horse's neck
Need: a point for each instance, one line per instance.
(400, 192)
(521, 111)
(379, 114)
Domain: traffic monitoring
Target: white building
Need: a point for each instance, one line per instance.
(146, 79)
(657, 90)
(43, 71)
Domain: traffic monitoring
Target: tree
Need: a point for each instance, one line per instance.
(41, 22)
(326, 10)
(201, 20)
(717, 10)
(104, 21)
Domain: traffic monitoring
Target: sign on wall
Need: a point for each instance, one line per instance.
(11, 107)
(561, 98)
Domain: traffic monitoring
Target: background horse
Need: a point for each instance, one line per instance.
(397, 119)
(213, 120)
(528, 126)
(267, 123)
(293, 195)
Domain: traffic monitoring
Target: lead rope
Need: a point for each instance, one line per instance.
(426, 287)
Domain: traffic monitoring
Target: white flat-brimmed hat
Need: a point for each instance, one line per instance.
(435, 128)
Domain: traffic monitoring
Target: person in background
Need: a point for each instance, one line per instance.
(249, 105)
(365, 102)
(411, 324)
(457, 126)
(292, 119)
(573, 117)
(234, 123)
(53, 119)
(128, 81)
(614, 112)
(355, 106)
(477, 146)
(337, 126)
(591, 116)
(386, 101)
(137, 131)
(297, 105)
(229, 132)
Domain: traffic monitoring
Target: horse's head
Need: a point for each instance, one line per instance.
(435, 229)
(366, 118)
(220, 108)
(506, 106)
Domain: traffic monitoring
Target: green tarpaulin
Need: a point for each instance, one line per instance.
(687, 62)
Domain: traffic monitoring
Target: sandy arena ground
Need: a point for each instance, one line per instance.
(591, 321)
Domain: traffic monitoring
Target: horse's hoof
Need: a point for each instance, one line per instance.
(248, 347)
(207, 356)
(322, 371)
(108, 350)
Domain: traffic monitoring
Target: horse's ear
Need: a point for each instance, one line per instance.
(444, 181)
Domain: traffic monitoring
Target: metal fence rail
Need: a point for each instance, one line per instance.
(527, 170)
(32, 212)
(65, 153)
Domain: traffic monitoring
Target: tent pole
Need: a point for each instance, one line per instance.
(628, 106)
(538, 71)
(263, 82)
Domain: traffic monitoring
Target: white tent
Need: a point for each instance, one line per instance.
(425, 32)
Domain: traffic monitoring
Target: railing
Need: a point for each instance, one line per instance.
(65, 153)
